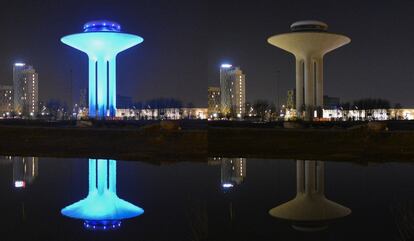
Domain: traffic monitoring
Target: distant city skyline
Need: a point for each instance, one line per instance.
(181, 57)
(377, 64)
(170, 63)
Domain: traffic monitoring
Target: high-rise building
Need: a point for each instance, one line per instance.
(25, 88)
(6, 99)
(83, 95)
(233, 91)
(291, 99)
(214, 99)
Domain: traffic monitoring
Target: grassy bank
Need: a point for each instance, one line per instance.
(126, 144)
(155, 144)
(313, 144)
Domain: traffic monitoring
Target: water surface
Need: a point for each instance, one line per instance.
(222, 199)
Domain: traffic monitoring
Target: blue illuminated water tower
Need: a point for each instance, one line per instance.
(102, 41)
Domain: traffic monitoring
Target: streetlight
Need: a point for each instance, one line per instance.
(277, 90)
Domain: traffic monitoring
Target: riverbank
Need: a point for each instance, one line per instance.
(150, 143)
(359, 145)
(166, 142)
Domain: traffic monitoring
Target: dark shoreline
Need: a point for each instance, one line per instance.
(157, 145)
(361, 146)
(152, 144)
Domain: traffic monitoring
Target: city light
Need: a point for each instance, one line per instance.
(102, 206)
(102, 41)
(19, 64)
(19, 184)
(227, 185)
(226, 66)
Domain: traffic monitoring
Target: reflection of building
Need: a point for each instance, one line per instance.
(6, 99)
(309, 41)
(214, 99)
(233, 170)
(102, 209)
(25, 169)
(6, 160)
(233, 91)
(102, 41)
(310, 209)
(25, 89)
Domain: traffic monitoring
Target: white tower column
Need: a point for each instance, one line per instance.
(299, 86)
(319, 82)
(309, 87)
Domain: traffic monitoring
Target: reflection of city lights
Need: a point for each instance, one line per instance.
(227, 185)
(19, 184)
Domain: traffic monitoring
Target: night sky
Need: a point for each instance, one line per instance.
(171, 62)
(187, 40)
(379, 61)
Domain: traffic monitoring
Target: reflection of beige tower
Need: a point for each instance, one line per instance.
(309, 41)
(310, 210)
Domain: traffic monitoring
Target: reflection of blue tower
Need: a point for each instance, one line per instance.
(102, 208)
(102, 41)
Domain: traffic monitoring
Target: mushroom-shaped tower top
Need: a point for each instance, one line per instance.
(308, 38)
(102, 40)
(309, 25)
(101, 26)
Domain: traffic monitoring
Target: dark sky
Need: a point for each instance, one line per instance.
(171, 62)
(379, 62)
(187, 40)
